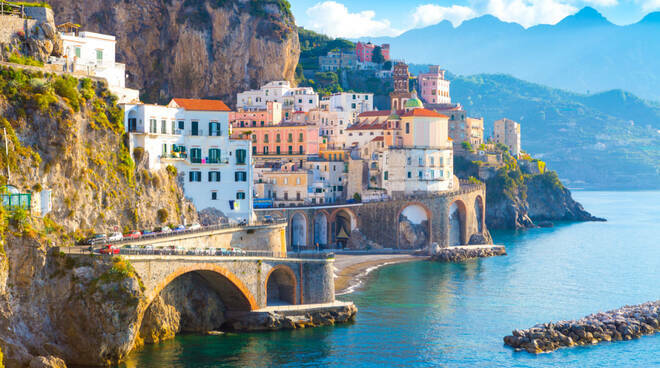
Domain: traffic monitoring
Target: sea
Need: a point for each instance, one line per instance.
(427, 314)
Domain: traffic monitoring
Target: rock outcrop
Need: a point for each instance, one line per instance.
(268, 321)
(201, 48)
(35, 37)
(464, 253)
(412, 236)
(357, 241)
(627, 323)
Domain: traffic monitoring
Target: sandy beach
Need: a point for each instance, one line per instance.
(351, 268)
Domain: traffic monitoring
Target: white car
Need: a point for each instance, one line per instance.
(115, 237)
(195, 226)
(165, 229)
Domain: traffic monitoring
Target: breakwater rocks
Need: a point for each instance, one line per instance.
(626, 323)
(463, 253)
(285, 319)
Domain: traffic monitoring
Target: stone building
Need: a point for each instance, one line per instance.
(401, 93)
(507, 132)
(336, 60)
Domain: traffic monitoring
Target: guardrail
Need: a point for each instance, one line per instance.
(196, 252)
(202, 229)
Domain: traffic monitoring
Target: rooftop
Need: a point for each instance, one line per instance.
(199, 105)
(425, 113)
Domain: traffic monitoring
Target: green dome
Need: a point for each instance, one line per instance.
(414, 103)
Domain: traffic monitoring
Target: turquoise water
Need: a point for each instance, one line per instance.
(429, 314)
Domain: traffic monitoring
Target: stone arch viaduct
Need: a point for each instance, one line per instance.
(451, 218)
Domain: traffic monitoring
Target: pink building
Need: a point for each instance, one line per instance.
(252, 118)
(284, 139)
(434, 86)
(365, 51)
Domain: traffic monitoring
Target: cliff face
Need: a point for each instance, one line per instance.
(193, 48)
(66, 135)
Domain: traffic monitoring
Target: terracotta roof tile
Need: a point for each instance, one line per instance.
(424, 112)
(199, 105)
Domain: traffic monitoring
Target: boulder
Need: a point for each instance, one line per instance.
(47, 362)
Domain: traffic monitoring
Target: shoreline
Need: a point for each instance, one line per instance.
(351, 269)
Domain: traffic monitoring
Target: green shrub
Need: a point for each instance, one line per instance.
(172, 171)
(162, 215)
(67, 87)
(24, 60)
(138, 153)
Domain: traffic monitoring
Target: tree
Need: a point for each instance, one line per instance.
(377, 56)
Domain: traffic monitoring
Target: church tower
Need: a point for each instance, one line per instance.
(401, 93)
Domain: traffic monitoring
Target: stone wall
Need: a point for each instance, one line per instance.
(11, 25)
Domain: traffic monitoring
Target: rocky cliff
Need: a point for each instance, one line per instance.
(193, 48)
(66, 136)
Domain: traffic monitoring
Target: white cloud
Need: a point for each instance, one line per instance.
(429, 14)
(651, 5)
(603, 3)
(334, 19)
(529, 13)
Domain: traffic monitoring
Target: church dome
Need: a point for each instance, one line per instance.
(414, 103)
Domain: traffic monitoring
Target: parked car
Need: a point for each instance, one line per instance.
(146, 232)
(109, 249)
(98, 239)
(165, 229)
(180, 228)
(115, 237)
(135, 234)
(269, 219)
(195, 226)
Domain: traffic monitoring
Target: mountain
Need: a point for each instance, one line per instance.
(193, 48)
(584, 52)
(609, 140)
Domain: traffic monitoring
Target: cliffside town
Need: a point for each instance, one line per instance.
(88, 160)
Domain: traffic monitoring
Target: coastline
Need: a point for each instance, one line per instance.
(351, 269)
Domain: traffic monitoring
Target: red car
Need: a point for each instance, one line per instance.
(133, 235)
(109, 249)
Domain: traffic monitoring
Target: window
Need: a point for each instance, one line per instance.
(286, 181)
(78, 52)
(286, 196)
(182, 124)
(300, 150)
(240, 195)
(240, 176)
(277, 138)
(297, 196)
(241, 156)
(214, 156)
(173, 127)
(194, 128)
(254, 138)
(409, 175)
(340, 188)
(300, 138)
(265, 138)
(132, 124)
(432, 161)
(196, 155)
(165, 149)
(214, 196)
(407, 128)
(409, 161)
(419, 174)
(277, 149)
(386, 175)
(421, 161)
(214, 176)
(254, 150)
(99, 56)
(214, 129)
(289, 138)
(352, 106)
(291, 150)
(265, 150)
(153, 126)
(195, 176)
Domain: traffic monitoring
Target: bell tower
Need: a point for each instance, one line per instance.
(401, 93)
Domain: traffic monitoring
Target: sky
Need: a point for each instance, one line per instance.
(360, 18)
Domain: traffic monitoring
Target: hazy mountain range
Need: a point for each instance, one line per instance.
(609, 140)
(583, 52)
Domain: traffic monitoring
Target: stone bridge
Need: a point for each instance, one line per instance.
(243, 283)
(413, 222)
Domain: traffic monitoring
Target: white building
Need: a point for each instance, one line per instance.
(507, 132)
(194, 137)
(90, 53)
(355, 103)
(333, 125)
(291, 98)
(329, 175)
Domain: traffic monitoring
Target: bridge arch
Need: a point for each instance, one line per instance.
(321, 228)
(457, 223)
(414, 226)
(342, 222)
(281, 286)
(298, 230)
(479, 213)
(234, 294)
